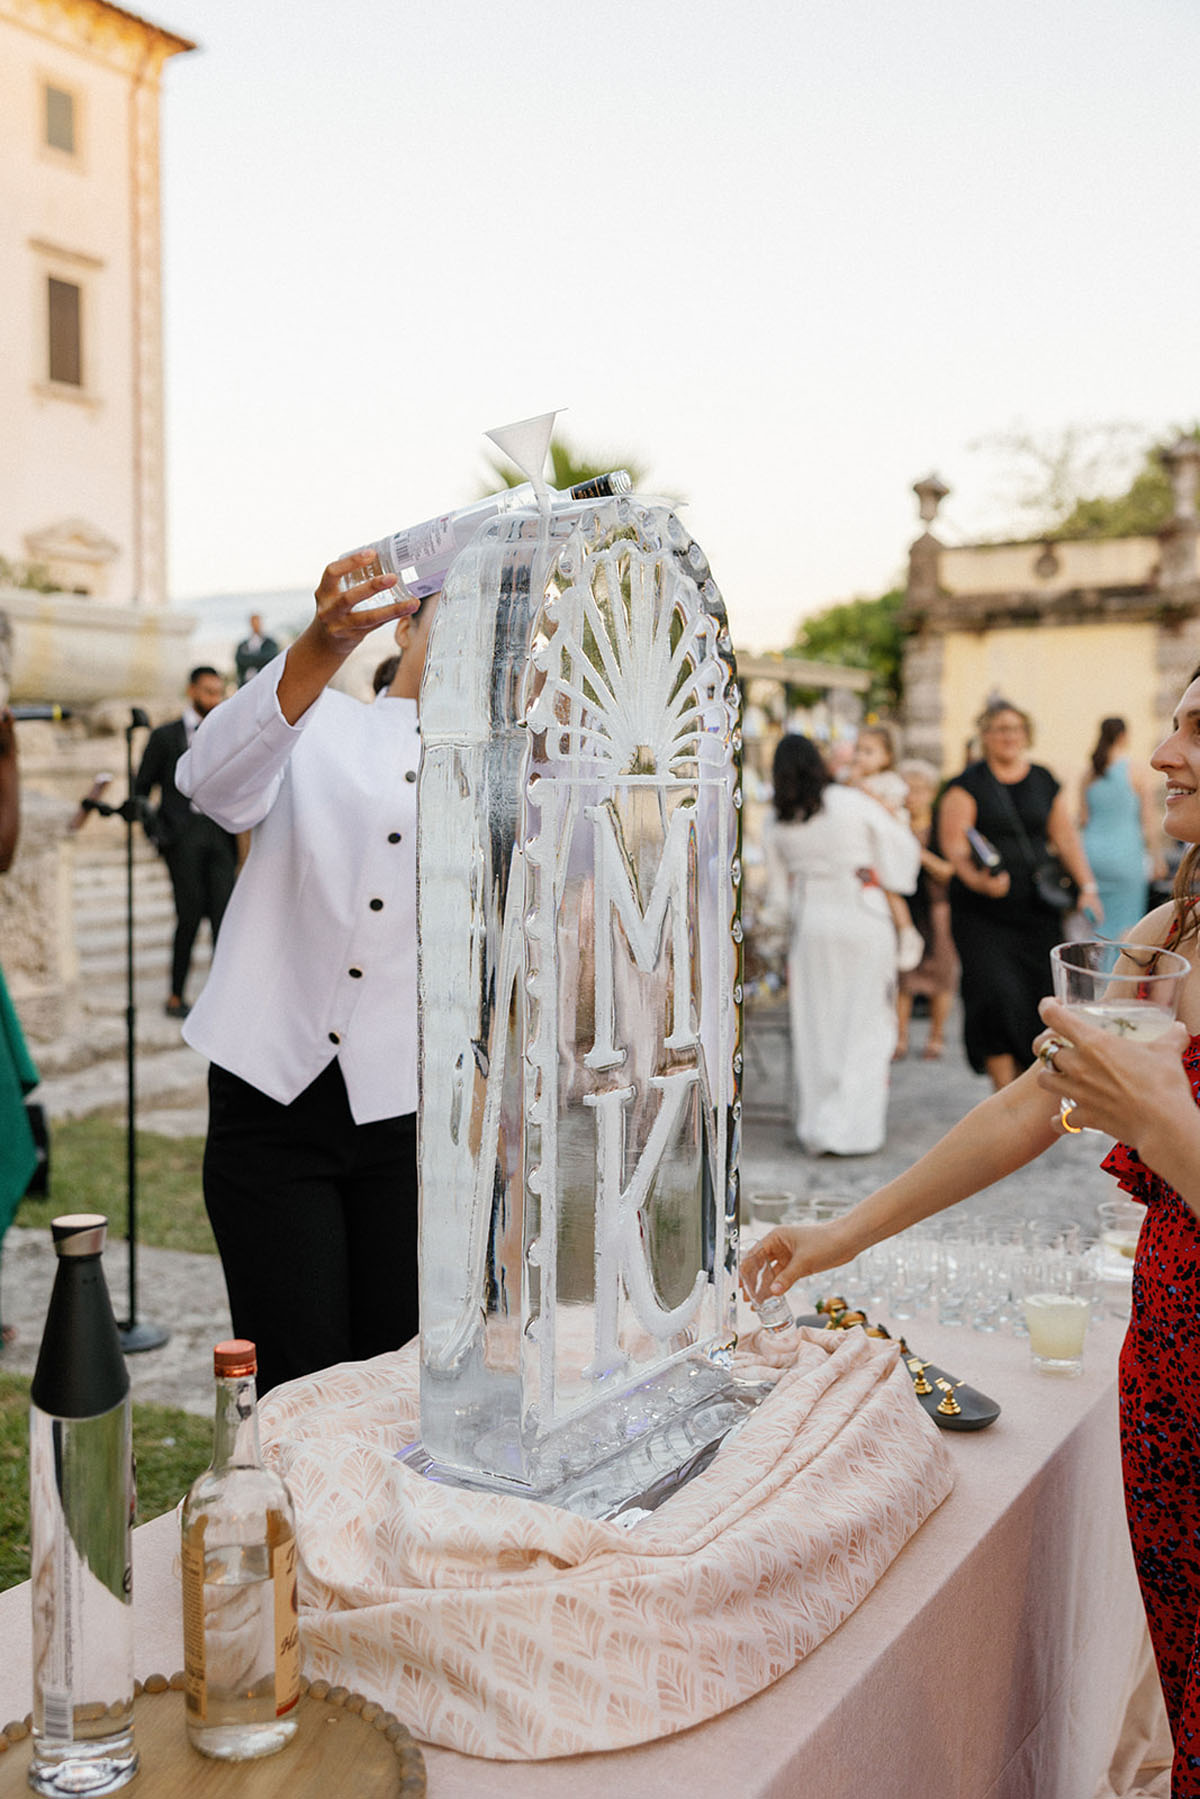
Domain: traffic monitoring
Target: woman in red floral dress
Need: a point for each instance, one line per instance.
(1137, 1091)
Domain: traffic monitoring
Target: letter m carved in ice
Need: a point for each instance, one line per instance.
(620, 1247)
(614, 890)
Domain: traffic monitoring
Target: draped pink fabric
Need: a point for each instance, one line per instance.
(515, 1630)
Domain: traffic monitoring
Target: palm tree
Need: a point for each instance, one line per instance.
(567, 469)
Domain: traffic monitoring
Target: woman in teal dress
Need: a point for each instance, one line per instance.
(1118, 822)
(18, 1075)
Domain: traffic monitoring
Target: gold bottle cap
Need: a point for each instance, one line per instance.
(237, 1356)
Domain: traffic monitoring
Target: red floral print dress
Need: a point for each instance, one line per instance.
(1160, 1439)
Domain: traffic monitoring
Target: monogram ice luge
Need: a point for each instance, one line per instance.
(580, 989)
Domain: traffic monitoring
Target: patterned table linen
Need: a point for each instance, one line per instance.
(505, 1628)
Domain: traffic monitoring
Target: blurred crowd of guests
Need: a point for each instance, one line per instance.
(890, 889)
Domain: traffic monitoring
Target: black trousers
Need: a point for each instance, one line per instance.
(202, 863)
(316, 1222)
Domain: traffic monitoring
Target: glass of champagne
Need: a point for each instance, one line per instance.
(1130, 989)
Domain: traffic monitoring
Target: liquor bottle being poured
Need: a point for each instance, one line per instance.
(241, 1635)
(421, 554)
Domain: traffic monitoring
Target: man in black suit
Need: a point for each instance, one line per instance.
(201, 858)
(255, 651)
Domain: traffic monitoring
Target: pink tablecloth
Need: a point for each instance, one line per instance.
(1002, 1656)
(519, 1631)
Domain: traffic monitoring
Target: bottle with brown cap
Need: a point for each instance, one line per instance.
(80, 1519)
(241, 1638)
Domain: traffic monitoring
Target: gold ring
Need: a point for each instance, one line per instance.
(1047, 1054)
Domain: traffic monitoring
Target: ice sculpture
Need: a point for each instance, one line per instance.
(580, 1007)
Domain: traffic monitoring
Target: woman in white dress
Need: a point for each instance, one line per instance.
(832, 856)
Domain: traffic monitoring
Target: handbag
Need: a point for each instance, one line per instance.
(1053, 884)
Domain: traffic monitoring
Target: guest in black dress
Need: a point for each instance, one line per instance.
(1002, 931)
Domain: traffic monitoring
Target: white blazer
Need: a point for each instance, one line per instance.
(317, 954)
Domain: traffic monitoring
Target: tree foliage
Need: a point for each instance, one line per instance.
(1089, 481)
(861, 633)
(1141, 511)
(568, 468)
(30, 575)
(1050, 482)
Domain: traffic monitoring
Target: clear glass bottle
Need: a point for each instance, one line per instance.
(421, 554)
(81, 1501)
(241, 1635)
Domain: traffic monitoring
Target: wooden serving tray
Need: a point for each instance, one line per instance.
(343, 1744)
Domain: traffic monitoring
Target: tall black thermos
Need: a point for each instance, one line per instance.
(81, 1501)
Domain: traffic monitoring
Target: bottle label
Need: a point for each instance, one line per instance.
(287, 1627)
(421, 543)
(58, 1714)
(195, 1687)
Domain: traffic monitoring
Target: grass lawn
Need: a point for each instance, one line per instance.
(88, 1173)
(171, 1448)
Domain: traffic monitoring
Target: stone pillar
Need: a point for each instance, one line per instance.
(924, 663)
(1178, 564)
(37, 930)
(1178, 639)
(924, 655)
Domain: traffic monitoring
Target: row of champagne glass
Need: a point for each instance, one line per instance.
(970, 1269)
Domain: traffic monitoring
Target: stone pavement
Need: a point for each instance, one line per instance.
(186, 1293)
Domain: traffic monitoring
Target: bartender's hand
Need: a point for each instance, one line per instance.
(337, 621)
(780, 1258)
(319, 651)
(1122, 1086)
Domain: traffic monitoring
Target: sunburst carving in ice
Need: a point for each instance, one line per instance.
(630, 664)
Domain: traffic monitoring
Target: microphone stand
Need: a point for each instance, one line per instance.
(135, 1335)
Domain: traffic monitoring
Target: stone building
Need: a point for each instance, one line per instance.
(81, 378)
(1072, 631)
(81, 453)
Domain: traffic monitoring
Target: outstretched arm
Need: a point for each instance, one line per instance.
(240, 753)
(998, 1136)
(10, 791)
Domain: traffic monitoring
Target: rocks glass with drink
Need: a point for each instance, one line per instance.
(1058, 1280)
(1128, 989)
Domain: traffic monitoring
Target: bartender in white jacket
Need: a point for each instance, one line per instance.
(309, 1016)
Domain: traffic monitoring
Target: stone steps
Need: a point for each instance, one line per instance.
(85, 1070)
(175, 1078)
(101, 925)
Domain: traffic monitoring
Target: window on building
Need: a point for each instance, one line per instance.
(66, 339)
(60, 120)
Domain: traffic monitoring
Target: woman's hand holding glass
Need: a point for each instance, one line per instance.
(1116, 1082)
(790, 1251)
(1131, 990)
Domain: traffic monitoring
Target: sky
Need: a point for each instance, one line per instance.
(791, 256)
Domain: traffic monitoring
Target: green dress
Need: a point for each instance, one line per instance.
(18, 1076)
